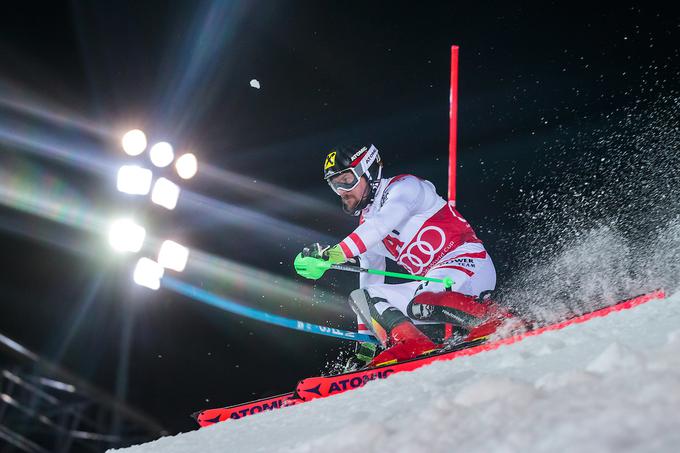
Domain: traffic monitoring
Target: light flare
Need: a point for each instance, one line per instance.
(134, 142)
(161, 154)
(125, 235)
(134, 180)
(148, 273)
(173, 256)
(186, 166)
(165, 193)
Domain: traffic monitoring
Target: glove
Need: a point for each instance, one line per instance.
(315, 250)
(364, 353)
(316, 259)
(334, 254)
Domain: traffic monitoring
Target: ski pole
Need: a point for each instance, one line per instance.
(314, 268)
(447, 281)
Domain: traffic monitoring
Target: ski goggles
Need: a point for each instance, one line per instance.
(344, 181)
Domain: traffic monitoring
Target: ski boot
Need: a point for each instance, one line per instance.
(406, 342)
(479, 316)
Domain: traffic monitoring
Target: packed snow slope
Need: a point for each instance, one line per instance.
(610, 384)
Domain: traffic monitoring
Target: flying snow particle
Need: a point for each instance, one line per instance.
(255, 84)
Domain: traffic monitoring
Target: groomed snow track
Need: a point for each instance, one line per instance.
(609, 384)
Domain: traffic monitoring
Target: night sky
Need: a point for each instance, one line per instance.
(539, 84)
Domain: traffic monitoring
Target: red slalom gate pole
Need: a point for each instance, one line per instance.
(453, 123)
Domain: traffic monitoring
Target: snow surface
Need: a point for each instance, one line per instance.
(611, 384)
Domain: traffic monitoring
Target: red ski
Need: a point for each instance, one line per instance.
(211, 416)
(320, 387)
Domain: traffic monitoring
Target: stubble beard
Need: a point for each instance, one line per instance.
(349, 207)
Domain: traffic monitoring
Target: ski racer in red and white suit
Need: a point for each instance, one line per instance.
(412, 225)
(402, 218)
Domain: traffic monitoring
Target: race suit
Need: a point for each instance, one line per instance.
(412, 225)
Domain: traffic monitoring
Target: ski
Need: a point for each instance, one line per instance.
(209, 417)
(323, 386)
(345, 381)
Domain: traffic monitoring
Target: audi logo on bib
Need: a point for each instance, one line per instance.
(422, 251)
(440, 234)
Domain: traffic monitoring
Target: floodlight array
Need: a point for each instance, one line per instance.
(125, 235)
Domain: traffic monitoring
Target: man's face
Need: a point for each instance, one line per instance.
(350, 198)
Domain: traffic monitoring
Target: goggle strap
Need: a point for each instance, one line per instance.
(368, 159)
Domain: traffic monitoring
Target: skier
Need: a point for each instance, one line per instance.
(403, 218)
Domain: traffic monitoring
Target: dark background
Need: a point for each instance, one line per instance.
(537, 83)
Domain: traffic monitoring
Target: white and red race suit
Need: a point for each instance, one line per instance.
(412, 225)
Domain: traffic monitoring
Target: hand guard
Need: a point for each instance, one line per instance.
(316, 259)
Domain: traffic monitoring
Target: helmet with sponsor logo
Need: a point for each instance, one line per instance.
(355, 162)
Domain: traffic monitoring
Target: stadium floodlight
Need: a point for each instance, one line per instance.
(186, 166)
(134, 180)
(134, 142)
(165, 193)
(162, 154)
(173, 256)
(148, 273)
(126, 236)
